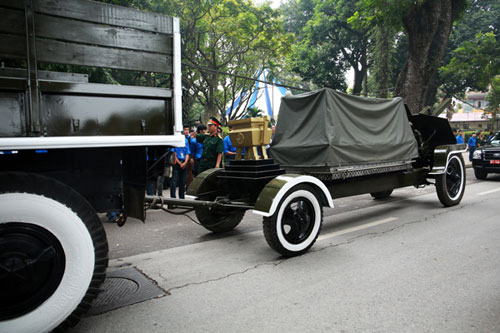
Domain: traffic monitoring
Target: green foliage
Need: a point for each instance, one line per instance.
(254, 112)
(230, 36)
(481, 16)
(474, 64)
(329, 45)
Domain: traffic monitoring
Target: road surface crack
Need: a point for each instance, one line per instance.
(275, 263)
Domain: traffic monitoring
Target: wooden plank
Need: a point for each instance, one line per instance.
(99, 89)
(51, 51)
(45, 75)
(19, 4)
(98, 34)
(12, 22)
(13, 47)
(99, 12)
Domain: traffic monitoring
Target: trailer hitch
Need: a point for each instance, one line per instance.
(155, 201)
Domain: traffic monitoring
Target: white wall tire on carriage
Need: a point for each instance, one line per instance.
(62, 239)
(450, 186)
(294, 227)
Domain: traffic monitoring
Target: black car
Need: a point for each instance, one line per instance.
(486, 159)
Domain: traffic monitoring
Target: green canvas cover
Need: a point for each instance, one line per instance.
(326, 128)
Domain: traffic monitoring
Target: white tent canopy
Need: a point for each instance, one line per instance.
(266, 97)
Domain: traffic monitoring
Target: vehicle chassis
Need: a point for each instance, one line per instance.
(291, 199)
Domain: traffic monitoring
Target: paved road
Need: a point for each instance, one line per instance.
(406, 265)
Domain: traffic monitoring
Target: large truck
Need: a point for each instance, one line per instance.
(71, 149)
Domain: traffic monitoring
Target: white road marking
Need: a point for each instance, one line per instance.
(488, 192)
(359, 227)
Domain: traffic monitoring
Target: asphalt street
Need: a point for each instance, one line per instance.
(402, 265)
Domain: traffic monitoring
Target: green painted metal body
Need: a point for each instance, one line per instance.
(441, 157)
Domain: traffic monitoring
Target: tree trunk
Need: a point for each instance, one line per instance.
(382, 60)
(358, 81)
(428, 26)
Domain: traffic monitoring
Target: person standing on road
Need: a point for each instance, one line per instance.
(229, 149)
(472, 145)
(212, 147)
(179, 172)
(460, 137)
(202, 129)
(192, 158)
(190, 161)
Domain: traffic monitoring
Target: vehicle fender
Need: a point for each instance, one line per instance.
(442, 156)
(275, 190)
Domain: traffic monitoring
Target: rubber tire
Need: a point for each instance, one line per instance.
(59, 209)
(214, 220)
(218, 221)
(272, 224)
(480, 174)
(381, 195)
(441, 188)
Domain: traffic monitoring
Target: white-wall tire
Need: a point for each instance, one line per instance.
(45, 205)
(450, 186)
(294, 227)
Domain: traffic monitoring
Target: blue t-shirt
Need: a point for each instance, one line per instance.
(460, 139)
(199, 150)
(181, 152)
(228, 147)
(472, 141)
(193, 147)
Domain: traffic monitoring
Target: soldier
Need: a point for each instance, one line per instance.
(212, 147)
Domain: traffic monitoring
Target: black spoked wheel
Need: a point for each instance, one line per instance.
(450, 186)
(218, 220)
(480, 174)
(53, 254)
(381, 195)
(296, 224)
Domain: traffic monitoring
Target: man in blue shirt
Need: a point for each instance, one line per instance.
(460, 137)
(229, 150)
(472, 145)
(179, 172)
(202, 129)
(192, 147)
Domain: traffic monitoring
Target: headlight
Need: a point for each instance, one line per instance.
(477, 155)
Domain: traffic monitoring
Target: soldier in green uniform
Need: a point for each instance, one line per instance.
(212, 147)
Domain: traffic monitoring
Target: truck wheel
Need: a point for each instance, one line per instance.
(296, 224)
(53, 254)
(381, 195)
(217, 220)
(450, 186)
(480, 174)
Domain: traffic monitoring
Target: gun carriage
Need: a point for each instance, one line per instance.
(71, 149)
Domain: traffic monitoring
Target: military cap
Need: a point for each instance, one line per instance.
(214, 121)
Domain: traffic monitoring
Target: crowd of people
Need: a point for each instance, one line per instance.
(476, 140)
(204, 149)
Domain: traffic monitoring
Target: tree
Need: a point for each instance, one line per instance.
(225, 36)
(427, 23)
(329, 45)
(481, 16)
(476, 64)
